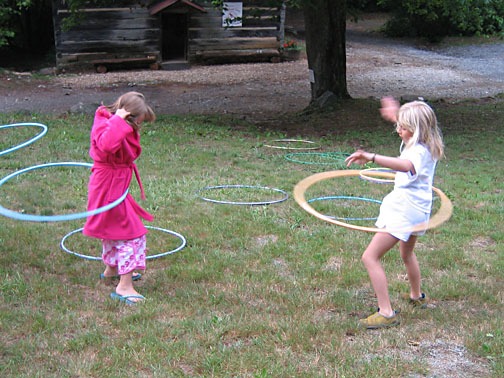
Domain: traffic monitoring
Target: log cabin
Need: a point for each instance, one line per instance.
(167, 34)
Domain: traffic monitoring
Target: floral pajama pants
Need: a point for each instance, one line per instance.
(126, 255)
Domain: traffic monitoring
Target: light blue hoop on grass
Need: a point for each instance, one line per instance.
(29, 141)
(55, 218)
(87, 257)
(256, 203)
(347, 198)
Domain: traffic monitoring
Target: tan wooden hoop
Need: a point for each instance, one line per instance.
(443, 214)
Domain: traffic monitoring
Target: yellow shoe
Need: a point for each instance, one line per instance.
(419, 302)
(377, 320)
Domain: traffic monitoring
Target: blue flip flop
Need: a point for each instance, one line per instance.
(135, 277)
(126, 298)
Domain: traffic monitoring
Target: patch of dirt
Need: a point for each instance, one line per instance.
(447, 359)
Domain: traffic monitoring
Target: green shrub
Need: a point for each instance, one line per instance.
(434, 19)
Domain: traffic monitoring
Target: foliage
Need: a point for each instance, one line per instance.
(9, 9)
(439, 18)
(75, 16)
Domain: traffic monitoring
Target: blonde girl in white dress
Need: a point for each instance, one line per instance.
(408, 204)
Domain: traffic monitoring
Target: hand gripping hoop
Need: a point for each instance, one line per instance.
(443, 214)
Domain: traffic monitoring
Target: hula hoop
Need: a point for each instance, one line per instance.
(352, 198)
(284, 198)
(316, 147)
(363, 174)
(87, 257)
(29, 141)
(338, 157)
(443, 214)
(54, 218)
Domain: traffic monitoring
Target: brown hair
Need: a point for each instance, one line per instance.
(135, 104)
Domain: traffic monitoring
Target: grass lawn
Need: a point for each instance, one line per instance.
(259, 291)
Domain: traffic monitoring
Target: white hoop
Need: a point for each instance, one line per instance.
(88, 257)
(364, 174)
(315, 147)
(255, 203)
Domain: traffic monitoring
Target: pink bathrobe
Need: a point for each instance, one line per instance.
(114, 148)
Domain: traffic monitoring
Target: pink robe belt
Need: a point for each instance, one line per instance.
(123, 165)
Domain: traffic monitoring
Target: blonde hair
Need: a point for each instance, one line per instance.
(136, 105)
(418, 118)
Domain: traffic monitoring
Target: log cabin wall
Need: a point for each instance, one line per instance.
(125, 33)
(131, 35)
(256, 40)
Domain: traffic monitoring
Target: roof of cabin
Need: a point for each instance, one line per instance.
(168, 3)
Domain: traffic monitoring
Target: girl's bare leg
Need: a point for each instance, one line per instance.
(379, 245)
(110, 271)
(125, 286)
(412, 267)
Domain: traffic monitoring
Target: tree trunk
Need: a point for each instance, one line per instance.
(325, 28)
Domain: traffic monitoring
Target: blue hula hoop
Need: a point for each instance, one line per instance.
(258, 203)
(54, 218)
(29, 141)
(347, 198)
(87, 257)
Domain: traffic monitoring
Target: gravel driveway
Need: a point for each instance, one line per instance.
(379, 66)
(376, 66)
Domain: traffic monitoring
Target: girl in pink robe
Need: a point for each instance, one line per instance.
(115, 145)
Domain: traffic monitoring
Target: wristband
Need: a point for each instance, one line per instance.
(372, 160)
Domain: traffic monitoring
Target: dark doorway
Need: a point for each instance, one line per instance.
(174, 26)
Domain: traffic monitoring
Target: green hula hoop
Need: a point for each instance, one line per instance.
(335, 158)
